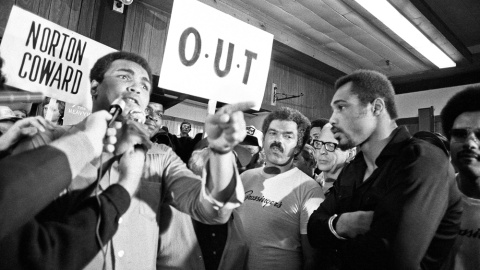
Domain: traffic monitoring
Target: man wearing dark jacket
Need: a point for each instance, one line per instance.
(396, 206)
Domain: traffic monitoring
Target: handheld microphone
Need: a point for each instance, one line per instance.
(23, 96)
(118, 105)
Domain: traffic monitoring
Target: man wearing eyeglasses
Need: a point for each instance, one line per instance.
(461, 123)
(330, 158)
(396, 205)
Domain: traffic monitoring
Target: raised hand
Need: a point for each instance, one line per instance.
(132, 133)
(26, 127)
(227, 128)
(95, 127)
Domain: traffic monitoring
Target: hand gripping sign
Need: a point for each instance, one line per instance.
(213, 55)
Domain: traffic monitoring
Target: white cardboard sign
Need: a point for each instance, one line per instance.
(213, 55)
(74, 114)
(41, 56)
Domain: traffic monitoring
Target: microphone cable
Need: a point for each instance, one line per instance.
(99, 219)
(118, 105)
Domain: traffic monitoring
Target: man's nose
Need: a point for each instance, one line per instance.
(135, 87)
(472, 142)
(323, 150)
(333, 119)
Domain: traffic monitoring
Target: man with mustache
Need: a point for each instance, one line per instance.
(279, 198)
(396, 205)
(461, 124)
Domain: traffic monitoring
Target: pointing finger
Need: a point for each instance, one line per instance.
(241, 106)
(224, 114)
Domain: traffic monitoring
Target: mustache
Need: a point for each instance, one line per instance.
(278, 145)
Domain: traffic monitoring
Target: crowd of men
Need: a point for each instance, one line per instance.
(354, 191)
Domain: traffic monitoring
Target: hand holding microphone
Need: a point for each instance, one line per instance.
(99, 134)
(132, 132)
(115, 136)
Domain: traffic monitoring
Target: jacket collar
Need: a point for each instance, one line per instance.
(399, 138)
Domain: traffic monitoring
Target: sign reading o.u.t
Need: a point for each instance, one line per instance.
(215, 56)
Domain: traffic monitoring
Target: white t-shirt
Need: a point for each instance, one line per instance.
(274, 215)
(467, 245)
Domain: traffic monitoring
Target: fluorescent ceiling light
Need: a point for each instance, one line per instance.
(389, 16)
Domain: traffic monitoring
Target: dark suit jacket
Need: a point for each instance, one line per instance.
(29, 182)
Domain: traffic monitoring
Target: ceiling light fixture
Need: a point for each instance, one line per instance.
(389, 16)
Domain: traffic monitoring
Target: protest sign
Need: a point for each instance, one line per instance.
(213, 55)
(41, 56)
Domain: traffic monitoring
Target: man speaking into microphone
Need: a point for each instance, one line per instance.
(165, 177)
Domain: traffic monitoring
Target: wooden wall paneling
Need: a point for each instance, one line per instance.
(157, 42)
(5, 8)
(325, 94)
(310, 98)
(287, 81)
(73, 19)
(291, 86)
(144, 49)
(282, 79)
(317, 94)
(302, 101)
(77, 15)
(298, 85)
(60, 12)
(321, 99)
(96, 12)
(129, 27)
(30, 5)
(44, 8)
(268, 92)
(85, 18)
(138, 28)
(146, 33)
(307, 94)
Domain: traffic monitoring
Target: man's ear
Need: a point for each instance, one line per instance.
(378, 106)
(93, 88)
(351, 154)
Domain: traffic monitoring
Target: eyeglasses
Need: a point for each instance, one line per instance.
(329, 146)
(461, 134)
(155, 114)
